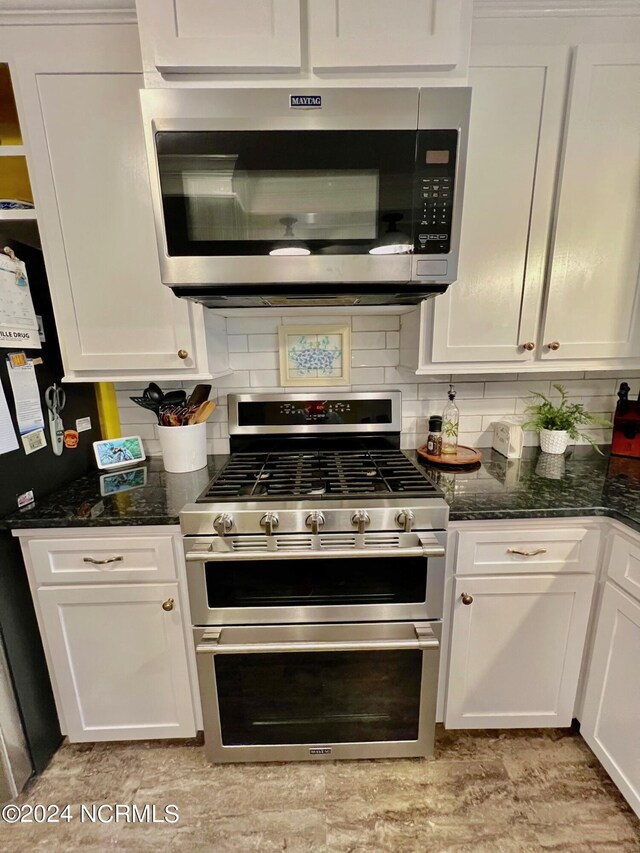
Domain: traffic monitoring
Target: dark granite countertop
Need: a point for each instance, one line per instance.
(541, 485)
(582, 483)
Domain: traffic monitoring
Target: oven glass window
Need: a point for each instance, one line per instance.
(318, 582)
(319, 697)
(285, 192)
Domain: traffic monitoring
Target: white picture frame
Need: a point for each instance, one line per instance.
(315, 356)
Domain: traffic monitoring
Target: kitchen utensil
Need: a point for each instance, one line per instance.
(154, 393)
(203, 412)
(145, 403)
(175, 398)
(55, 399)
(199, 395)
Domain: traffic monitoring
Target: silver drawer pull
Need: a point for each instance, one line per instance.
(527, 553)
(95, 562)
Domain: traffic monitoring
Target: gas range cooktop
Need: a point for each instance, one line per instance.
(309, 475)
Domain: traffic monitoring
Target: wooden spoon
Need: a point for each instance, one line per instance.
(202, 413)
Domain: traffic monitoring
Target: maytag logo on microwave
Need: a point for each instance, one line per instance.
(305, 102)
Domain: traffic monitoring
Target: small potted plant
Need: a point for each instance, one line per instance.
(558, 424)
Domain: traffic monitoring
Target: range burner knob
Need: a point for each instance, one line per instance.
(405, 519)
(223, 524)
(269, 522)
(315, 520)
(361, 520)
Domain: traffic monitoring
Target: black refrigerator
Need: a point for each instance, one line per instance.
(41, 472)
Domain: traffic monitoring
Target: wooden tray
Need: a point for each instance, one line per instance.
(465, 456)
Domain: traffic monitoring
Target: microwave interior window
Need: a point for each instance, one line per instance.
(285, 192)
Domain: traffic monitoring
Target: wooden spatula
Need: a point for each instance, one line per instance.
(202, 413)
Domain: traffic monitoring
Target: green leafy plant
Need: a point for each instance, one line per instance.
(545, 414)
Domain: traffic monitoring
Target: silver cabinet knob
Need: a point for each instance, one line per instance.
(465, 598)
(405, 519)
(269, 522)
(315, 520)
(554, 345)
(361, 520)
(223, 524)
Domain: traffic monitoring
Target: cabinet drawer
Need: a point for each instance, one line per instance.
(527, 551)
(111, 559)
(624, 564)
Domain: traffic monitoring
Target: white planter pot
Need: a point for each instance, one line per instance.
(553, 440)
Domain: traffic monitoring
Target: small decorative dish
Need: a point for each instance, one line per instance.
(14, 204)
(464, 457)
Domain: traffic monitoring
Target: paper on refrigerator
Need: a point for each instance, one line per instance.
(8, 439)
(27, 396)
(18, 321)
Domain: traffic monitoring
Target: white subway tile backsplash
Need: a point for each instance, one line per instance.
(369, 340)
(374, 358)
(482, 398)
(265, 379)
(253, 360)
(238, 343)
(252, 325)
(367, 376)
(376, 323)
(263, 343)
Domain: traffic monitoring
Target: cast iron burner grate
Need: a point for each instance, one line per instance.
(318, 474)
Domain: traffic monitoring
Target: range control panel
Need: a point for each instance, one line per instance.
(433, 193)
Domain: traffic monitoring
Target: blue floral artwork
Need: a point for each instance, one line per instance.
(314, 355)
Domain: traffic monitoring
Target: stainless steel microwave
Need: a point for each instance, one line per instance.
(336, 196)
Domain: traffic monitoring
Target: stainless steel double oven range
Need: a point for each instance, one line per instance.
(315, 566)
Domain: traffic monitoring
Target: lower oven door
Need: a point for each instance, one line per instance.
(308, 692)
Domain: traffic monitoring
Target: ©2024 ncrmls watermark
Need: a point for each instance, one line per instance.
(90, 813)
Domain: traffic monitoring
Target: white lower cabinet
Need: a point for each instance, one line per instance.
(516, 650)
(610, 721)
(119, 660)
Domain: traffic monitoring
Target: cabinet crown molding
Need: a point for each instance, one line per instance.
(42, 12)
(554, 8)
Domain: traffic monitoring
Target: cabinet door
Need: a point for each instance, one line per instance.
(118, 661)
(593, 304)
(610, 721)
(125, 317)
(79, 108)
(220, 35)
(492, 310)
(516, 650)
(368, 34)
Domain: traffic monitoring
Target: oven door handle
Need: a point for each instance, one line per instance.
(424, 639)
(343, 553)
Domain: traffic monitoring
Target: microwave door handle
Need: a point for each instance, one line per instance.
(215, 557)
(424, 639)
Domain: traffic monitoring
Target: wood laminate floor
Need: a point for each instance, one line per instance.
(533, 790)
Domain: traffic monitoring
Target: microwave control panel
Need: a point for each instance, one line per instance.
(433, 192)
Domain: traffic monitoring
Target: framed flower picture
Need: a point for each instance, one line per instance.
(315, 355)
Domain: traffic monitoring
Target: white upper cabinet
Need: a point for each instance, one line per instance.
(347, 35)
(79, 96)
(593, 301)
(491, 312)
(180, 36)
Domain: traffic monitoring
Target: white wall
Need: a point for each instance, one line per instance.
(253, 343)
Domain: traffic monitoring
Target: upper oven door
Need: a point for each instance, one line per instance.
(242, 580)
(250, 189)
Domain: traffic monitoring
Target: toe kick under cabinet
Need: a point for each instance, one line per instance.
(520, 603)
(115, 624)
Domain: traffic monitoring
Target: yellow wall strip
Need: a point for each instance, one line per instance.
(108, 410)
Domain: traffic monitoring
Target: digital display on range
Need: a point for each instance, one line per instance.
(314, 411)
